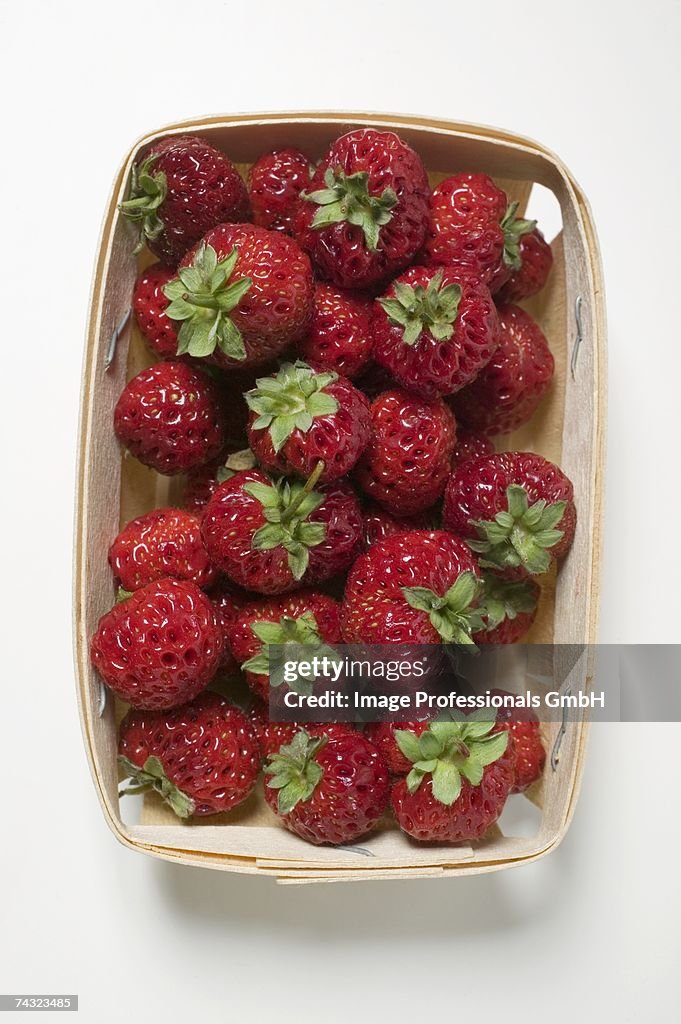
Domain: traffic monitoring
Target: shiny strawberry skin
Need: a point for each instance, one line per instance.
(537, 260)
(382, 735)
(208, 749)
(149, 304)
(379, 524)
(339, 250)
(201, 485)
(163, 543)
(337, 439)
(350, 798)
(507, 392)
(170, 418)
(275, 182)
(525, 731)
(204, 189)
(431, 367)
(273, 735)
(470, 445)
(227, 601)
(339, 337)
(160, 647)
(465, 231)
(406, 463)
(375, 610)
(277, 308)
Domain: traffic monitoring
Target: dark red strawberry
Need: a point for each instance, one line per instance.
(475, 228)
(507, 391)
(272, 536)
(407, 461)
(202, 758)
(525, 731)
(243, 294)
(170, 418)
(160, 647)
(274, 735)
(382, 735)
(516, 509)
(163, 543)
(339, 337)
(227, 601)
(327, 789)
(180, 189)
(536, 260)
(470, 445)
(461, 775)
(434, 330)
(150, 303)
(365, 215)
(202, 483)
(509, 608)
(305, 617)
(413, 588)
(275, 182)
(302, 416)
(379, 524)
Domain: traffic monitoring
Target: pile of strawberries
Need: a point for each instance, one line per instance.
(335, 346)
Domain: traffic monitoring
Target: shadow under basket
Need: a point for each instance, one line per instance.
(568, 428)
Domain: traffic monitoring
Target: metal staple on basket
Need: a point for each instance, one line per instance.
(116, 334)
(578, 337)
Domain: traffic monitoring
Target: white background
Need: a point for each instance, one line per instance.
(592, 931)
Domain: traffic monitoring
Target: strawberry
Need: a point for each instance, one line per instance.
(417, 588)
(382, 735)
(528, 747)
(434, 330)
(461, 775)
(163, 543)
(406, 463)
(243, 294)
(516, 509)
(470, 445)
(303, 415)
(275, 182)
(169, 417)
(475, 228)
(202, 483)
(227, 601)
(202, 758)
(509, 608)
(149, 303)
(272, 536)
(378, 524)
(160, 647)
(179, 190)
(507, 391)
(339, 337)
(327, 789)
(536, 260)
(305, 617)
(274, 735)
(366, 214)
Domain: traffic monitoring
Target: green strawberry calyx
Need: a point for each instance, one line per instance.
(417, 309)
(235, 463)
(286, 506)
(151, 776)
(147, 193)
(506, 599)
(294, 771)
(522, 536)
(454, 614)
(301, 631)
(291, 400)
(514, 228)
(202, 297)
(449, 752)
(347, 198)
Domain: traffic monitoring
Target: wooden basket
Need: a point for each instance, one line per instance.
(569, 429)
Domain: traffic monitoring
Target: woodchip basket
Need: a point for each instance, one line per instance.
(569, 428)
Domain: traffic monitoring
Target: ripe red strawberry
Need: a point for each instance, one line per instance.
(274, 735)
(202, 483)
(170, 418)
(339, 337)
(202, 758)
(461, 776)
(275, 182)
(382, 735)
(160, 647)
(475, 228)
(418, 587)
(273, 537)
(180, 189)
(536, 260)
(302, 416)
(379, 524)
(516, 510)
(227, 601)
(507, 391)
(434, 330)
(327, 789)
(150, 303)
(509, 609)
(366, 214)
(243, 295)
(163, 543)
(407, 461)
(306, 617)
(470, 445)
(528, 747)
